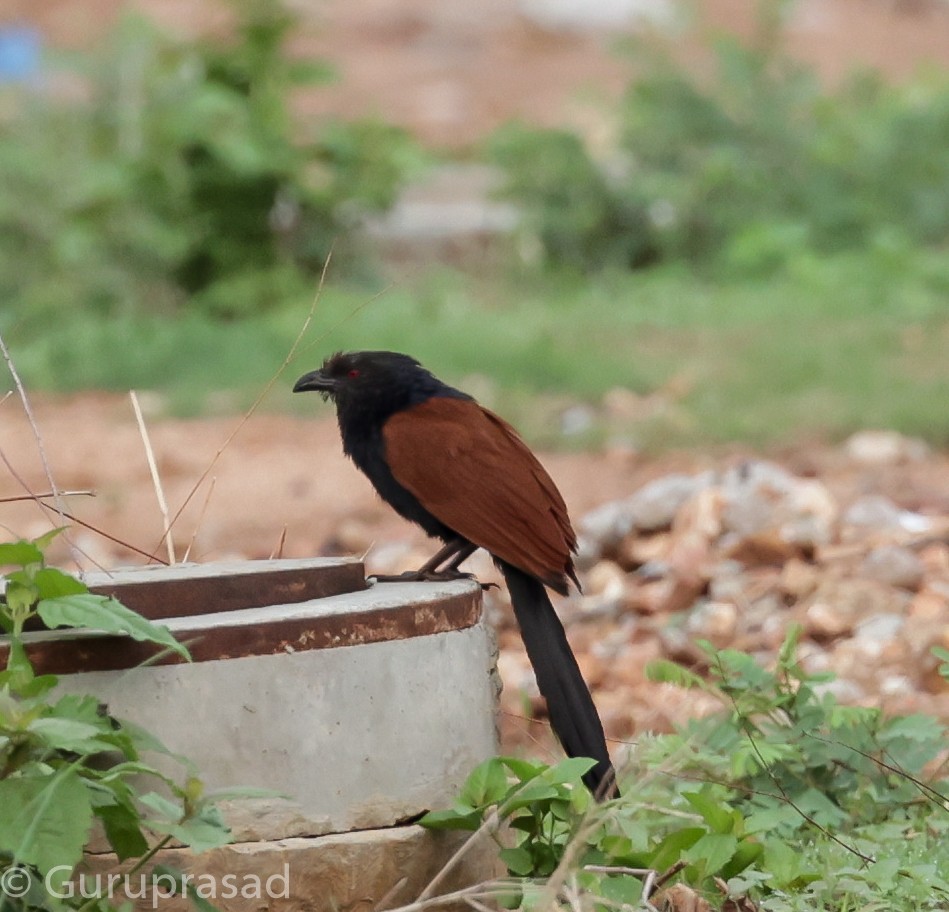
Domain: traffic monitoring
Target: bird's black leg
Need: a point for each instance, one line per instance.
(440, 567)
(459, 551)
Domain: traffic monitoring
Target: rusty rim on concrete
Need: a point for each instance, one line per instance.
(252, 608)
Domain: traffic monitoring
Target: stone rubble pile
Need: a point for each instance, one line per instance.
(735, 556)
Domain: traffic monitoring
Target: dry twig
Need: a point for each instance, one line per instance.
(23, 497)
(278, 551)
(256, 403)
(197, 525)
(28, 409)
(156, 478)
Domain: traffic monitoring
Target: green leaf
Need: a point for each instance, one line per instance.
(98, 612)
(38, 687)
(782, 861)
(169, 880)
(524, 770)
(943, 656)
(714, 851)
(20, 596)
(663, 671)
(82, 708)
(69, 735)
(535, 791)
(562, 809)
(122, 770)
(20, 554)
(623, 890)
(787, 654)
(144, 741)
(304, 72)
(19, 672)
(46, 819)
(207, 830)
(719, 817)
(53, 583)
(200, 903)
(747, 853)
(570, 770)
(518, 861)
(46, 539)
(616, 846)
(486, 785)
(170, 811)
(515, 899)
(123, 830)
(771, 818)
(671, 849)
(451, 820)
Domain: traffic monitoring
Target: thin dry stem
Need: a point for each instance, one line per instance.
(156, 478)
(569, 859)
(40, 502)
(278, 551)
(478, 906)
(489, 823)
(46, 496)
(342, 321)
(392, 891)
(118, 541)
(74, 548)
(260, 398)
(75, 519)
(200, 520)
(39, 440)
(485, 891)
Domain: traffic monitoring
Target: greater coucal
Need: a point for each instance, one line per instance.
(465, 476)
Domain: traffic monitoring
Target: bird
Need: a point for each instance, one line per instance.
(463, 474)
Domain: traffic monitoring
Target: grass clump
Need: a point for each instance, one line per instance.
(842, 344)
(784, 800)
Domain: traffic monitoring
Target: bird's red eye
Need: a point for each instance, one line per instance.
(353, 373)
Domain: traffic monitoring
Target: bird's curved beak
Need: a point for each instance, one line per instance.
(315, 380)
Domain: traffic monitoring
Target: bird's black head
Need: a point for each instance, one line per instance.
(373, 384)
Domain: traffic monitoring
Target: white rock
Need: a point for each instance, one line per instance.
(876, 513)
(895, 565)
(655, 505)
(761, 496)
(873, 634)
(879, 448)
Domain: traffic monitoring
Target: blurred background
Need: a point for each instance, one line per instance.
(648, 221)
(697, 251)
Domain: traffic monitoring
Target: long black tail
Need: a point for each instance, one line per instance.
(573, 714)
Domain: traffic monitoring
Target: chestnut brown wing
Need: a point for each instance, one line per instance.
(471, 470)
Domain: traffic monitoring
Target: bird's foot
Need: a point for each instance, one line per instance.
(428, 576)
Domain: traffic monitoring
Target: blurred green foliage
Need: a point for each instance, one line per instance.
(783, 800)
(742, 171)
(830, 346)
(179, 179)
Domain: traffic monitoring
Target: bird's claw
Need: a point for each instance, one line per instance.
(427, 576)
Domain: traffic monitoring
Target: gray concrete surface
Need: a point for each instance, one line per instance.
(355, 737)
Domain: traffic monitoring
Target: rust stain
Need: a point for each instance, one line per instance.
(281, 635)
